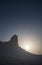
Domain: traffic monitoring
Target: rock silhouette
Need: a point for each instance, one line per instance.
(14, 40)
(12, 54)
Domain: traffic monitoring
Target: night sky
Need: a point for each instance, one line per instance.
(21, 17)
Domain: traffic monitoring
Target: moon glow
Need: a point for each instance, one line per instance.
(30, 44)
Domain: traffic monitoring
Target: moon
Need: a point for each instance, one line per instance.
(27, 45)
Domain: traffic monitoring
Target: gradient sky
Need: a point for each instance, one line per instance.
(22, 17)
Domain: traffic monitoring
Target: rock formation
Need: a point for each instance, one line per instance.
(14, 40)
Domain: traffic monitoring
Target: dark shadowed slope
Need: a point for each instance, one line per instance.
(12, 54)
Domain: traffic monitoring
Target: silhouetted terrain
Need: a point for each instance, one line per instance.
(12, 54)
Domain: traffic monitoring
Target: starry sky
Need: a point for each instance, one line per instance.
(21, 17)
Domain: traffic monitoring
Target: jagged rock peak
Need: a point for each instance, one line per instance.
(14, 39)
